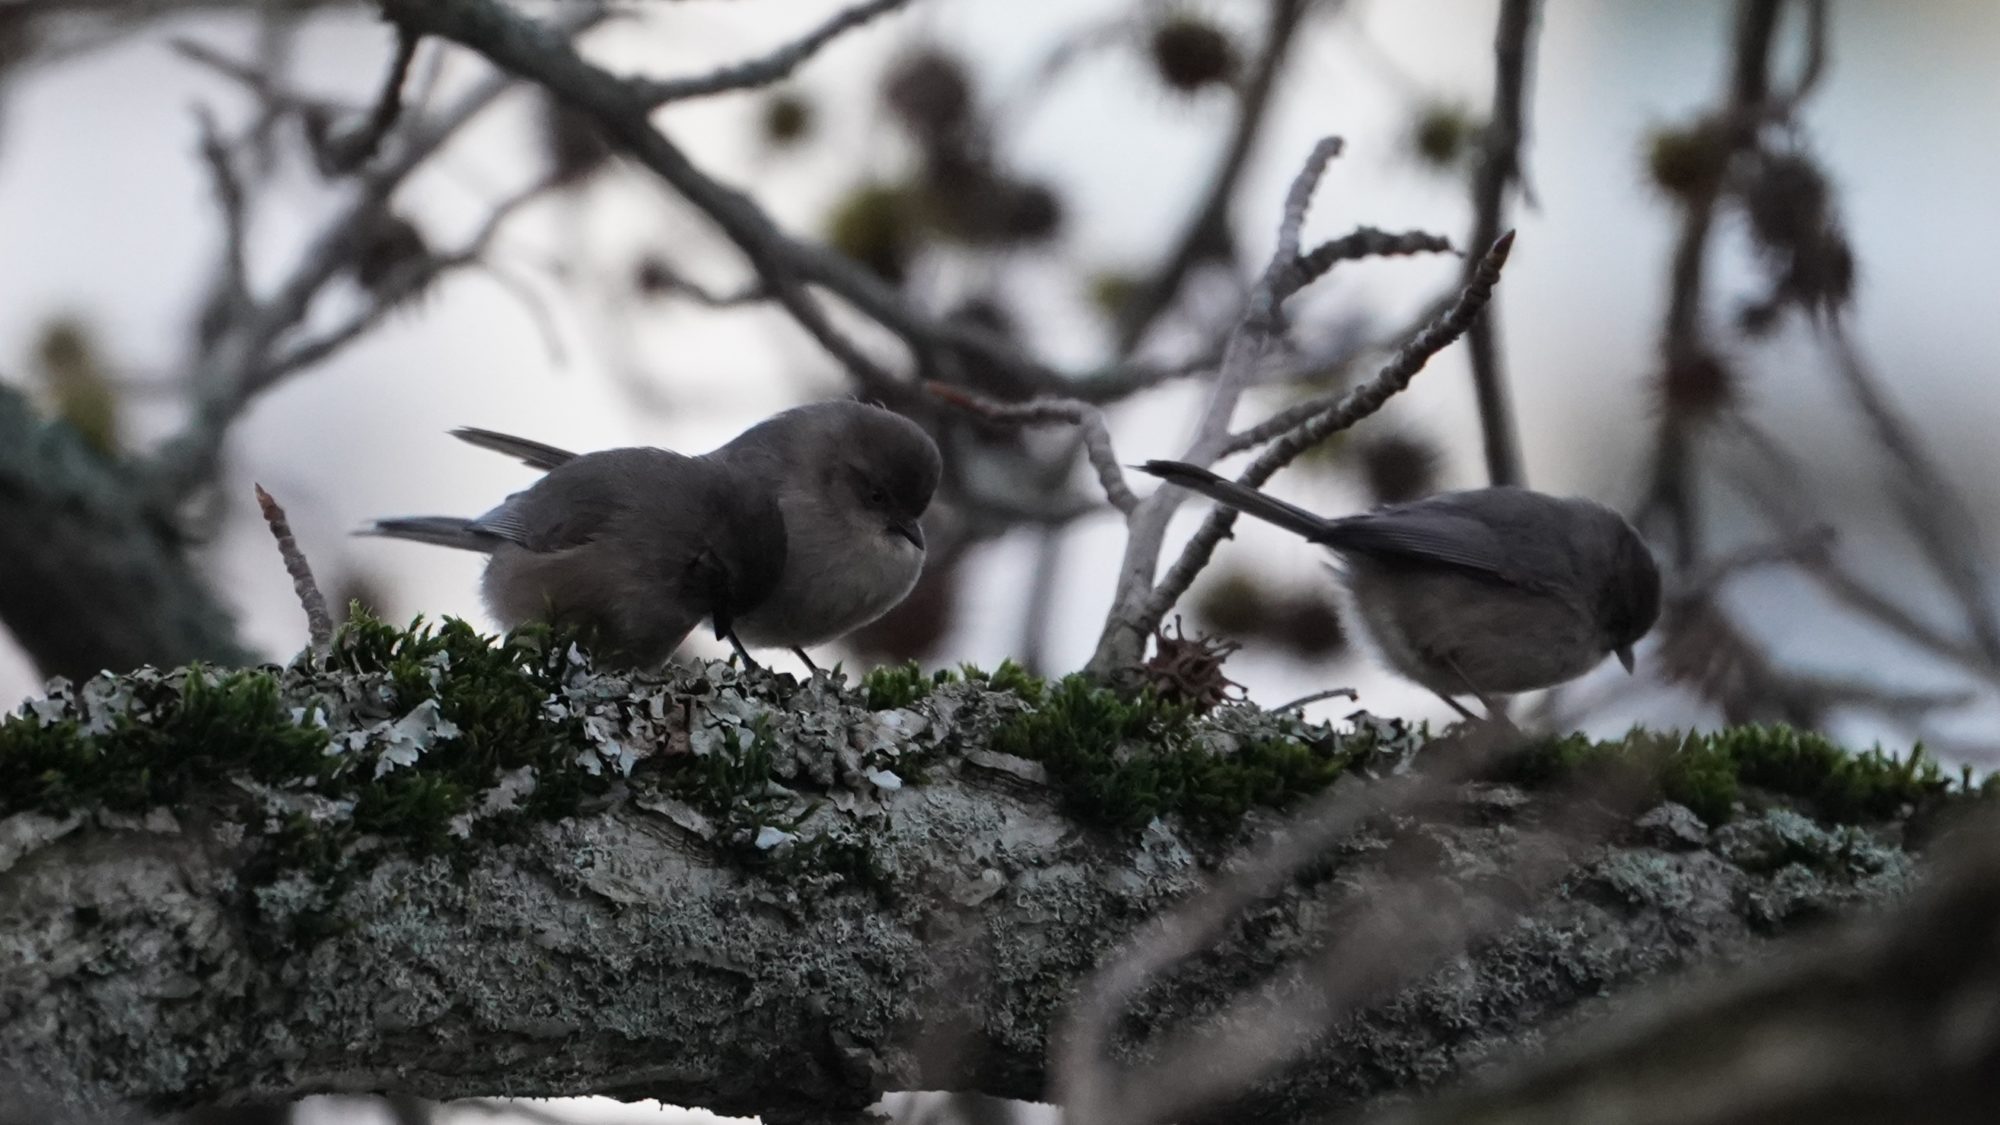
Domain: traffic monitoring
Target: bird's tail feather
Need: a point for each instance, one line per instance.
(1242, 497)
(442, 531)
(533, 454)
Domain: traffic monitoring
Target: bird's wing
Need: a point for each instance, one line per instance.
(1501, 533)
(533, 454)
(1423, 535)
(580, 497)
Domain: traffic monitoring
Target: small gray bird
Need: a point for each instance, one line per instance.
(1485, 592)
(800, 530)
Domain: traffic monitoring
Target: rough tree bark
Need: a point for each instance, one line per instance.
(642, 946)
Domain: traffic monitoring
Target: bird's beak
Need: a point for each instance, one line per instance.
(911, 530)
(1625, 657)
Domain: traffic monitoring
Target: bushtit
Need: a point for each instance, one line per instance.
(1485, 592)
(797, 532)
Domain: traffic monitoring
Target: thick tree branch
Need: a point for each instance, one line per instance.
(875, 933)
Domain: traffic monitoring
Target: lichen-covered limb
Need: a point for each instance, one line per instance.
(754, 912)
(1888, 1021)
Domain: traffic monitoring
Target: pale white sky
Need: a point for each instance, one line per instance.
(104, 212)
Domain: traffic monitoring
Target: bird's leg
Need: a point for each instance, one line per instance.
(807, 661)
(748, 663)
(1494, 713)
(1457, 706)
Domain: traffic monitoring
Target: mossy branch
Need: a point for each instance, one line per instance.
(283, 881)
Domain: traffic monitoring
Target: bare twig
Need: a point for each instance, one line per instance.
(319, 623)
(1808, 545)
(1499, 168)
(233, 369)
(229, 195)
(1366, 242)
(770, 68)
(1042, 411)
(1128, 624)
(255, 81)
(534, 51)
(663, 277)
(412, 279)
(1938, 517)
(344, 152)
(1355, 405)
(1672, 492)
(1211, 217)
(1347, 693)
(1812, 69)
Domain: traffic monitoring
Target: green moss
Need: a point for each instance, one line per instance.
(170, 735)
(1011, 677)
(895, 686)
(494, 693)
(1709, 773)
(1841, 786)
(1122, 761)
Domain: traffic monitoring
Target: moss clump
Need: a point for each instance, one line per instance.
(1844, 787)
(1122, 761)
(163, 737)
(493, 694)
(895, 686)
(1709, 772)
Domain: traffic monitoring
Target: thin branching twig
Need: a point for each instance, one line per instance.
(1497, 171)
(1211, 216)
(319, 623)
(344, 152)
(771, 68)
(1131, 620)
(1355, 405)
(1044, 411)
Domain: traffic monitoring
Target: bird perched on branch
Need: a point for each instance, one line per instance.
(800, 530)
(1485, 592)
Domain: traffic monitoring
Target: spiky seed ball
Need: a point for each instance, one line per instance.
(1234, 604)
(1188, 671)
(1696, 383)
(1190, 53)
(1032, 212)
(1440, 133)
(1788, 201)
(1309, 624)
(787, 118)
(1689, 162)
(653, 277)
(1111, 291)
(1398, 467)
(876, 225)
(931, 91)
(390, 245)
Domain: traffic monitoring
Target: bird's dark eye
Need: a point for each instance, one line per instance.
(879, 497)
